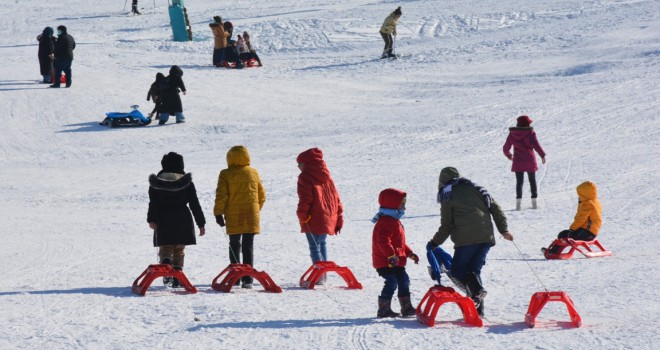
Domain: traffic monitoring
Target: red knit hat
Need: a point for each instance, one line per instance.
(524, 121)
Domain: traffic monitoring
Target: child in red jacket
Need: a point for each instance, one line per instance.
(390, 252)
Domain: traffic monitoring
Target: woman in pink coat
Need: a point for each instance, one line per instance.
(524, 142)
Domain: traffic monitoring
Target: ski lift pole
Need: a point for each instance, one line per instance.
(530, 266)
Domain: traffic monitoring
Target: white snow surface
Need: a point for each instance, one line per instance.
(74, 193)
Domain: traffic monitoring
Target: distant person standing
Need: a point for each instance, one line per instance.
(45, 54)
(169, 96)
(63, 56)
(220, 37)
(134, 9)
(523, 139)
(388, 32)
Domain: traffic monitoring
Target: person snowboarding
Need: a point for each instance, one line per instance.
(466, 211)
(320, 211)
(169, 96)
(388, 32)
(239, 197)
(46, 53)
(524, 142)
(63, 55)
(172, 197)
(390, 253)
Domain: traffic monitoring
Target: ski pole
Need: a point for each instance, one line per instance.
(530, 266)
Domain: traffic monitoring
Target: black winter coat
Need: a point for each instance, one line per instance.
(64, 46)
(46, 48)
(170, 96)
(170, 194)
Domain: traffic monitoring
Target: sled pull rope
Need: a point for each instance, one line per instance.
(229, 243)
(530, 266)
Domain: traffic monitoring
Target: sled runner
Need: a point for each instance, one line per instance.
(590, 249)
(121, 119)
(160, 270)
(234, 272)
(320, 268)
(539, 300)
(247, 64)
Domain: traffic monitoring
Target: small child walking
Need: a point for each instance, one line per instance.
(172, 197)
(390, 253)
(523, 139)
(154, 93)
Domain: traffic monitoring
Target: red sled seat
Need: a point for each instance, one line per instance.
(320, 268)
(590, 249)
(234, 272)
(438, 295)
(160, 270)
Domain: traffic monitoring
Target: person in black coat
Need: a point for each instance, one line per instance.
(154, 93)
(170, 99)
(172, 197)
(46, 50)
(64, 47)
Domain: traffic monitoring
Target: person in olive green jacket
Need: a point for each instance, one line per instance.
(388, 30)
(466, 211)
(239, 197)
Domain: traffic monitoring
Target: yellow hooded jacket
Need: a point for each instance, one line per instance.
(589, 212)
(240, 194)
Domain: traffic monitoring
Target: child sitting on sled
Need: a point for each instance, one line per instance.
(588, 218)
(390, 253)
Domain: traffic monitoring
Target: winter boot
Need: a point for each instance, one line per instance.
(384, 55)
(518, 204)
(175, 282)
(407, 309)
(480, 309)
(134, 8)
(247, 283)
(475, 289)
(385, 308)
(390, 53)
(167, 281)
(534, 206)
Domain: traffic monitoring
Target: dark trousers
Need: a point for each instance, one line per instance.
(395, 277)
(230, 54)
(63, 65)
(389, 42)
(246, 56)
(217, 56)
(520, 179)
(469, 259)
(580, 234)
(242, 244)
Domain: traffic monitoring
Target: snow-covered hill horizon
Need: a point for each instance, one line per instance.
(74, 193)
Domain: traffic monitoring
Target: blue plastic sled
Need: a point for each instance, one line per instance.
(439, 260)
(121, 119)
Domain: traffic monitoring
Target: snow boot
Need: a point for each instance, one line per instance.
(384, 55)
(385, 308)
(534, 206)
(480, 309)
(518, 204)
(167, 281)
(390, 53)
(407, 309)
(475, 289)
(175, 282)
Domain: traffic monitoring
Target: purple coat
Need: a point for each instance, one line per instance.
(524, 142)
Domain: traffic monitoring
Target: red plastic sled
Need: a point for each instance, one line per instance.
(236, 271)
(590, 249)
(320, 268)
(247, 64)
(438, 295)
(160, 270)
(539, 300)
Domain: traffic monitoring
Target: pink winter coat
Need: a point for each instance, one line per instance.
(524, 142)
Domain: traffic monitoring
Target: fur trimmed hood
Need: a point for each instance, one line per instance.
(167, 181)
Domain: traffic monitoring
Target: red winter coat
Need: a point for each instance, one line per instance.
(389, 237)
(524, 142)
(318, 200)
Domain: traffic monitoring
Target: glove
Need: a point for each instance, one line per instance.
(220, 220)
(431, 245)
(392, 261)
(414, 258)
(337, 229)
(309, 217)
(217, 19)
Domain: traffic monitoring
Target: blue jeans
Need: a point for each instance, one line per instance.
(62, 65)
(165, 116)
(317, 247)
(395, 277)
(467, 259)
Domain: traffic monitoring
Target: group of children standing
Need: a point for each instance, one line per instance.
(225, 49)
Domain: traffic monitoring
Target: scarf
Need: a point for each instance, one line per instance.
(395, 213)
(445, 191)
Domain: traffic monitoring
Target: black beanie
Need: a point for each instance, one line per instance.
(398, 11)
(172, 163)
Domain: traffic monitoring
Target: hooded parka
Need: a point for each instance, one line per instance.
(239, 195)
(524, 142)
(589, 212)
(389, 237)
(319, 208)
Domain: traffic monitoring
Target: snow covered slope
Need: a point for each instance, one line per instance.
(74, 193)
